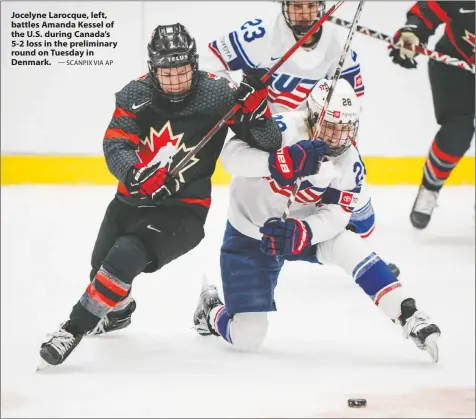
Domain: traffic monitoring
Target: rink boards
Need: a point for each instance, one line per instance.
(51, 169)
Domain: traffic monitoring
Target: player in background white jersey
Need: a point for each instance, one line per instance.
(260, 42)
(257, 242)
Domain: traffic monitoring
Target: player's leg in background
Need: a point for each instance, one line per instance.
(453, 100)
(362, 221)
(356, 257)
(249, 278)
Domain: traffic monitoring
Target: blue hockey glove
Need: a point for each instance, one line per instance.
(285, 238)
(298, 160)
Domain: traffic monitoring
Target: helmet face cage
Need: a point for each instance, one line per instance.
(173, 61)
(339, 136)
(300, 16)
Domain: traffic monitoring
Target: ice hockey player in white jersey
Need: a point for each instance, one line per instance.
(257, 241)
(260, 42)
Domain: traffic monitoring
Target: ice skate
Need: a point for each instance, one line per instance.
(418, 326)
(62, 343)
(425, 203)
(208, 300)
(114, 320)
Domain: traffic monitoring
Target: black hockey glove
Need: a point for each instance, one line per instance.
(252, 95)
(401, 56)
(154, 181)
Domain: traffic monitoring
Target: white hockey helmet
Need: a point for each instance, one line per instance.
(341, 121)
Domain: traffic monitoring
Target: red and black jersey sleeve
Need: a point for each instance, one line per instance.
(425, 17)
(458, 16)
(123, 134)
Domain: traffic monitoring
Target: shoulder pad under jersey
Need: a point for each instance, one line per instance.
(136, 95)
(293, 126)
(214, 95)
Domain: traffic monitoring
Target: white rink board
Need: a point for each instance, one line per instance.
(70, 107)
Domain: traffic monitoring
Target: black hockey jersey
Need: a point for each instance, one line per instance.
(145, 128)
(458, 16)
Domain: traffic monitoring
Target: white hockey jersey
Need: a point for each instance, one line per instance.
(259, 43)
(324, 200)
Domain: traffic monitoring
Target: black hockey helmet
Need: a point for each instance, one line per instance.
(298, 21)
(172, 47)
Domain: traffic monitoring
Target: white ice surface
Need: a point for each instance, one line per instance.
(326, 343)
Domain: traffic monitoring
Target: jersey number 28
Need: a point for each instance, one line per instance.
(279, 120)
(360, 171)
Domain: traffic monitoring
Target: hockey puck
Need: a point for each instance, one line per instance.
(356, 402)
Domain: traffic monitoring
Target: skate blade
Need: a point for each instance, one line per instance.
(42, 365)
(431, 346)
(205, 281)
(201, 331)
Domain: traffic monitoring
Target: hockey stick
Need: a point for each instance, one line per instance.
(181, 165)
(317, 129)
(434, 55)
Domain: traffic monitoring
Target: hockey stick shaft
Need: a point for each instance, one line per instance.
(219, 125)
(434, 55)
(322, 114)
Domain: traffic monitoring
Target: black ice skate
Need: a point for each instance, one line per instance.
(62, 343)
(425, 203)
(114, 320)
(208, 300)
(420, 328)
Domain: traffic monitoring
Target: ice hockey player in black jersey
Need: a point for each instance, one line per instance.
(452, 89)
(155, 217)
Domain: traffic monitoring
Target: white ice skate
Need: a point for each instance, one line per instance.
(208, 300)
(425, 202)
(420, 328)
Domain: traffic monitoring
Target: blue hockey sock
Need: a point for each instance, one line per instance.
(373, 276)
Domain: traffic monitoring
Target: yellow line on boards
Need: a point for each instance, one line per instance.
(44, 169)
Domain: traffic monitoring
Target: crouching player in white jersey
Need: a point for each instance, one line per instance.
(259, 42)
(257, 241)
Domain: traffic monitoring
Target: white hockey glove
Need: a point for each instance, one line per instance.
(402, 56)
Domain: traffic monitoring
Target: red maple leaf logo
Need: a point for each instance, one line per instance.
(159, 146)
(162, 147)
(469, 38)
